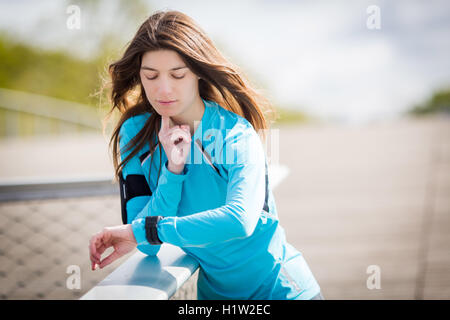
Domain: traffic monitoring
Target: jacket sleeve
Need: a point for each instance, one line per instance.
(162, 201)
(244, 201)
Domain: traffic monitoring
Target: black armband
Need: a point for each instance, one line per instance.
(134, 185)
(151, 232)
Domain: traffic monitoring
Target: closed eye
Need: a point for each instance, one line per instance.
(157, 76)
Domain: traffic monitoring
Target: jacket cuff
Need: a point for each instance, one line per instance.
(138, 227)
(167, 232)
(173, 177)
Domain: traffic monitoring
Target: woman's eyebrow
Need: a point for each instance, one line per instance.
(148, 68)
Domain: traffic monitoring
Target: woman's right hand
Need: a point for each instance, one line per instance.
(121, 238)
(176, 141)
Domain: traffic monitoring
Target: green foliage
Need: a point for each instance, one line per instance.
(49, 73)
(60, 75)
(285, 115)
(439, 102)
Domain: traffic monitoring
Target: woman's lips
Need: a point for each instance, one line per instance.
(166, 103)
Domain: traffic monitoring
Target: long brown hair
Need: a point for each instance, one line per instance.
(220, 81)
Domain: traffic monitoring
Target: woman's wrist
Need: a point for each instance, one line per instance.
(129, 229)
(174, 168)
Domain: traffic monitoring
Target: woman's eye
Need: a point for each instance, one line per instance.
(176, 77)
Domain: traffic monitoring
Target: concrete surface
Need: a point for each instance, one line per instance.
(355, 197)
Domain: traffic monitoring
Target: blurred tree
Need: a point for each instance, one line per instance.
(437, 103)
(288, 115)
(50, 73)
(69, 73)
(65, 74)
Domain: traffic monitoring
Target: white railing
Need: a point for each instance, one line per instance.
(27, 113)
(45, 188)
(146, 277)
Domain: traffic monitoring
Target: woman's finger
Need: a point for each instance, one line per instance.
(98, 244)
(94, 259)
(100, 250)
(93, 247)
(112, 257)
(186, 129)
(166, 123)
(180, 133)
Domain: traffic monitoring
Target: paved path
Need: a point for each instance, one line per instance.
(375, 195)
(355, 197)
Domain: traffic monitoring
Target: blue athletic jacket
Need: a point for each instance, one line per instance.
(220, 210)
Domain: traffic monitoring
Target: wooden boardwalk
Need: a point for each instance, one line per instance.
(355, 197)
(376, 195)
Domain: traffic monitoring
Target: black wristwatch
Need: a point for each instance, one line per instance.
(151, 232)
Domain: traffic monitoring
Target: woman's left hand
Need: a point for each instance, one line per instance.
(121, 238)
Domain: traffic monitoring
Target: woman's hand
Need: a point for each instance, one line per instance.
(121, 238)
(176, 141)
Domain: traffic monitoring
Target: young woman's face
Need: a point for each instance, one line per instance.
(166, 78)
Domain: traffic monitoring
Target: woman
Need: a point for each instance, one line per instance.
(192, 167)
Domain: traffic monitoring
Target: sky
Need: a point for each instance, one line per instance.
(315, 56)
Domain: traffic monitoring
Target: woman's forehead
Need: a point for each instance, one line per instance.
(162, 60)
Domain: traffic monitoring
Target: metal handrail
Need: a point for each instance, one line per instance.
(49, 107)
(146, 277)
(45, 188)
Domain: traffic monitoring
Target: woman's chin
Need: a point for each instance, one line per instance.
(166, 112)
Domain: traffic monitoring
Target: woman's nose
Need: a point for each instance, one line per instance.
(164, 87)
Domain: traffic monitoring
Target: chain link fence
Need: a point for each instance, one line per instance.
(43, 241)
